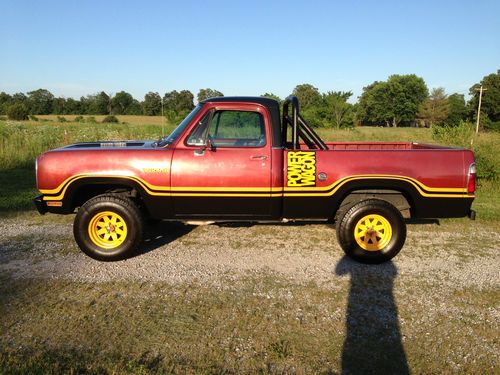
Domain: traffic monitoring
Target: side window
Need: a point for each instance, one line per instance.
(199, 135)
(237, 129)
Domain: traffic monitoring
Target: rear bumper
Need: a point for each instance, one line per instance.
(40, 205)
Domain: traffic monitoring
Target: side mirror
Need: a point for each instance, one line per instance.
(210, 144)
(204, 144)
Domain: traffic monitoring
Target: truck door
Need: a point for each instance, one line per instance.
(222, 167)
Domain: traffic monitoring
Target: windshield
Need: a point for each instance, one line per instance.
(180, 128)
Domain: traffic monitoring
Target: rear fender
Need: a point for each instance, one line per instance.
(394, 197)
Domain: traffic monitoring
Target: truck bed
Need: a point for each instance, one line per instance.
(383, 146)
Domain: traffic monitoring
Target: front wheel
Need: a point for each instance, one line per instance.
(372, 231)
(108, 227)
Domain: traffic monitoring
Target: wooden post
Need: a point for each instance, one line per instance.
(479, 107)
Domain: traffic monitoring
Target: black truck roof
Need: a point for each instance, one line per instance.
(272, 106)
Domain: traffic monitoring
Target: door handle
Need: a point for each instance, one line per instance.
(258, 157)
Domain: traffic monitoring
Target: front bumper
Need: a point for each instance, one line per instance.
(40, 205)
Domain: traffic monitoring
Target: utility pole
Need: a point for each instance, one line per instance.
(162, 119)
(480, 89)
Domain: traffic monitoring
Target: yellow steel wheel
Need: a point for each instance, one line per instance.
(107, 230)
(373, 232)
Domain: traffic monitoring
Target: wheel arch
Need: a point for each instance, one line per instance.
(87, 188)
(402, 197)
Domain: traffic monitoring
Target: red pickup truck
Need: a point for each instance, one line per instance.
(239, 159)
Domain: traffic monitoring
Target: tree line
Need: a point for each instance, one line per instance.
(401, 100)
(173, 104)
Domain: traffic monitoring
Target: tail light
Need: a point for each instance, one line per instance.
(36, 172)
(471, 180)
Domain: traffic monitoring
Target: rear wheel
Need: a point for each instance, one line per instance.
(372, 231)
(108, 227)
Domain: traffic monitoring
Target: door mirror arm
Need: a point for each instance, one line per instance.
(210, 144)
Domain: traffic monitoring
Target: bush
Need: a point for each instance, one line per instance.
(17, 112)
(33, 118)
(91, 120)
(492, 126)
(487, 168)
(79, 119)
(110, 120)
(460, 135)
(61, 119)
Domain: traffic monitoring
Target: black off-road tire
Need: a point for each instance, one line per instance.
(347, 225)
(129, 223)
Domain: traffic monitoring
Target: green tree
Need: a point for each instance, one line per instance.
(372, 105)
(17, 111)
(19, 97)
(97, 104)
(308, 96)
(121, 102)
(338, 111)
(135, 108)
(185, 101)
(435, 109)
(59, 106)
(204, 94)
(69, 106)
(394, 101)
(73, 107)
(458, 110)
(490, 104)
(151, 106)
(272, 96)
(177, 104)
(5, 101)
(40, 102)
(178, 101)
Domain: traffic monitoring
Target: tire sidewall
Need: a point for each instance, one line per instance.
(356, 213)
(81, 230)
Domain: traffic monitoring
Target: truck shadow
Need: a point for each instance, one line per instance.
(161, 233)
(373, 342)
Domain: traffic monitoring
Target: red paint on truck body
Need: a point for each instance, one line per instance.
(179, 180)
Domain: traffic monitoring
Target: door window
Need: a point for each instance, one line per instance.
(230, 129)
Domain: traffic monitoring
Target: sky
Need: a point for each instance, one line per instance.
(75, 48)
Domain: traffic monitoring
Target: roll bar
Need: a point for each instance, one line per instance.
(300, 128)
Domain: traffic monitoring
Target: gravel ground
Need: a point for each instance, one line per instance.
(456, 255)
(436, 303)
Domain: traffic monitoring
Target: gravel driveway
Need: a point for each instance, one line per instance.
(464, 254)
(262, 289)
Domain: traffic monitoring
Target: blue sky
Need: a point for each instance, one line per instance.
(75, 48)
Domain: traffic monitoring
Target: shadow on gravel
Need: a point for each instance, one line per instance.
(161, 233)
(373, 341)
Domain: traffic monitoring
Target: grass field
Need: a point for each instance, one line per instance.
(240, 299)
(22, 142)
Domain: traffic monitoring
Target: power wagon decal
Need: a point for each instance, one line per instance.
(301, 168)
